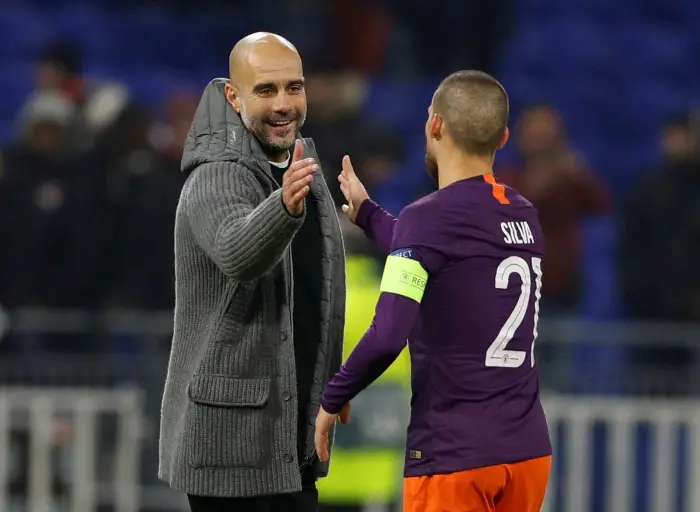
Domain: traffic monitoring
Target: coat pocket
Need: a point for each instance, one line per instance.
(227, 424)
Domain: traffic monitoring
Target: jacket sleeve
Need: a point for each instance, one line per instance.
(244, 240)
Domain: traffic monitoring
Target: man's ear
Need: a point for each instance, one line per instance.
(504, 139)
(233, 97)
(436, 126)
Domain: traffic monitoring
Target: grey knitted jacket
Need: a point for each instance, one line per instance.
(229, 412)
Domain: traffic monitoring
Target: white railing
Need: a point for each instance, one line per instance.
(622, 417)
(575, 416)
(37, 408)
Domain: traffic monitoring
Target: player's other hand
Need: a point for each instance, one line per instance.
(296, 180)
(352, 188)
(324, 424)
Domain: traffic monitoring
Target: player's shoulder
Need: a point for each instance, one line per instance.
(420, 206)
(435, 205)
(501, 199)
(417, 221)
(514, 196)
(490, 190)
(499, 217)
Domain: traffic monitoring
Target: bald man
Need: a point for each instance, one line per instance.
(260, 294)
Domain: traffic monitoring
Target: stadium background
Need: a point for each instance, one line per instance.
(96, 99)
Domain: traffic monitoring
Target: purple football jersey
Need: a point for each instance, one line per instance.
(474, 376)
(475, 389)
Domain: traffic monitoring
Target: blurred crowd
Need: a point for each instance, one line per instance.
(88, 190)
(90, 180)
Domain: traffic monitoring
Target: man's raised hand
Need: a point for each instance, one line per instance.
(296, 180)
(352, 188)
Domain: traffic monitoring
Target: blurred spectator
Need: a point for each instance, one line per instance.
(478, 45)
(660, 239)
(48, 212)
(339, 127)
(457, 34)
(560, 185)
(60, 68)
(144, 187)
(303, 22)
(50, 217)
(169, 132)
(366, 37)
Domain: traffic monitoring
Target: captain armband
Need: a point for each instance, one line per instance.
(404, 276)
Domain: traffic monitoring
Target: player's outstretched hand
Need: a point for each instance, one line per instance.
(352, 188)
(324, 424)
(296, 180)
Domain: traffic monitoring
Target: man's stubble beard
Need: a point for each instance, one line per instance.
(431, 166)
(257, 126)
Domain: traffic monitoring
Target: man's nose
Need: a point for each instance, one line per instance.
(282, 103)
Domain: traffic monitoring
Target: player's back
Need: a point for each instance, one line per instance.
(475, 385)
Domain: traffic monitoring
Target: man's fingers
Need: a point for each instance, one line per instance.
(292, 183)
(300, 195)
(345, 188)
(291, 187)
(321, 442)
(303, 165)
(345, 414)
(301, 168)
(298, 151)
(295, 186)
(347, 167)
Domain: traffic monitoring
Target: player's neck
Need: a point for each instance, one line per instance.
(459, 166)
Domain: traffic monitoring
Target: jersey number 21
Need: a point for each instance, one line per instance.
(497, 354)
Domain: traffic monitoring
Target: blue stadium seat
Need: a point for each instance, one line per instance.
(600, 299)
(387, 101)
(671, 13)
(577, 45)
(153, 86)
(16, 83)
(649, 102)
(23, 31)
(600, 302)
(647, 51)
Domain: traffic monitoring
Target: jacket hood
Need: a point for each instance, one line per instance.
(217, 133)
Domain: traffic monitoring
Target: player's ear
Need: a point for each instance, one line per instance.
(233, 97)
(504, 139)
(436, 124)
